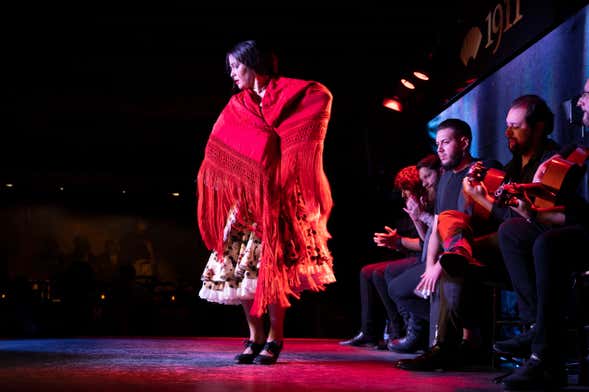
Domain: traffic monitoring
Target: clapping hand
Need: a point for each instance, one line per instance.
(391, 239)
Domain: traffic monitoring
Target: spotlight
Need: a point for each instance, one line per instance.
(9, 185)
(421, 75)
(393, 104)
(408, 84)
(175, 194)
(102, 297)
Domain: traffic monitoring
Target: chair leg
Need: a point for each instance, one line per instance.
(494, 305)
(581, 333)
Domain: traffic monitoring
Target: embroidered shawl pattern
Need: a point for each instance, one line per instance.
(256, 158)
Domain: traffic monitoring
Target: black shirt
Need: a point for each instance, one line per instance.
(449, 193)
(514, 172)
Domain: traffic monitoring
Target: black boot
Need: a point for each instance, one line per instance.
(455, 261)
(361, 340)
(416, 338)
(536, 374)
(517, 346)
(437, 357)
(393, 330)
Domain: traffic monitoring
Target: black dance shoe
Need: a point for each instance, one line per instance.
(247, 358)
(360, 340)
(274, 348)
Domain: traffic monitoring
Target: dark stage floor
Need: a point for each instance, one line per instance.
(206, 364)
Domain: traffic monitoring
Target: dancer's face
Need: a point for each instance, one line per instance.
(242, 75)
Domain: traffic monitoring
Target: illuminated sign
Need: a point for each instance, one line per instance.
(499, 20)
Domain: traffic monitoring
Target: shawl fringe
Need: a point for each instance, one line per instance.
(256, 160)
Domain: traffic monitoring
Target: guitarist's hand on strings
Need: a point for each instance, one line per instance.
(546, 216)
(524, 209)
(474, 189)
(522, 203)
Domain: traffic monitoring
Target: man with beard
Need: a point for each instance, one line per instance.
(529, 122)
(453, 234)
(540, 250)
(583, 103)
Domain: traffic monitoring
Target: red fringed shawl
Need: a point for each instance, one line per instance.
(255, 157)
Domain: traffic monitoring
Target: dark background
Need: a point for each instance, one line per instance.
(106, 109)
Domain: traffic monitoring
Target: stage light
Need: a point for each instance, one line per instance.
(102, 297)
(175, 194)
(3, 296)
(61, 188)
(393, 104)
(173, 298)
(408, 84)
(9, 185)
(123, 191)
(421, 75)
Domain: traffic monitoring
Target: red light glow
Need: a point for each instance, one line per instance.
(393, 104)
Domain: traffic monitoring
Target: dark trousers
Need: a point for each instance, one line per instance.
(459, 295)
(540, 261)
(401, 285)
(374, 295)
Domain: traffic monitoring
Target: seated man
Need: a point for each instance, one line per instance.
(529, 122)
(541, 249)
(452, 233)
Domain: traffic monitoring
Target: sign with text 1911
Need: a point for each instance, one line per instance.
(498, 20)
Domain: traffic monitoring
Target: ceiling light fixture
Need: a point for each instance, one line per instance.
(393, 104)
(421, 75)
(408, 84)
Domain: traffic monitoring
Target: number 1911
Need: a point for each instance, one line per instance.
(495, 22)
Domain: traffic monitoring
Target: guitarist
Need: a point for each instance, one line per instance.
(529, 122)
(540, 253)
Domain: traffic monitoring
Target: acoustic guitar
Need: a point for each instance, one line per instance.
(560, 180)
(492, 179)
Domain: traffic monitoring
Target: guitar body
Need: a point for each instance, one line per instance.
(560, 179)
(491, 178)
(559, 172)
